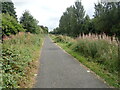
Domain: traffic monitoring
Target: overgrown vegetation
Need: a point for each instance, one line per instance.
(98, 54)
(21, 42)
(18, 55)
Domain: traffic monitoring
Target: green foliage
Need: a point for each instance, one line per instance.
(8, 7)
(58, 39)
(64, 39)
(71, 22)
(17, 53)
(10, 25)
(45, 29)
(88, 26)
(10, 67)
(107, 18)
(29, 23)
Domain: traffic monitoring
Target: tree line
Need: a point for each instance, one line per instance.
(11, 25)
(75, 22)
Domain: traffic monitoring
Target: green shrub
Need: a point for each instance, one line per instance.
(69, 44)
(64, 39)
(59, 39)
(10, 25)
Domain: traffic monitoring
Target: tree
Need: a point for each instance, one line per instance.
(55, 31)
(29, 23)
(45, 29)
(65, 26)
(10, 25)
(86, 26)
(72, 20)
(107, 18)
(80, 13)
(8, 7)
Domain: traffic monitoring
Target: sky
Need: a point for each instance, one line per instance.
(48, 12)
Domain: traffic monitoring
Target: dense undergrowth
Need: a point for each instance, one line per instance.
(19, 57)
(99, 55)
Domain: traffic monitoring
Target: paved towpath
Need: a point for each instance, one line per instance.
(60, 70)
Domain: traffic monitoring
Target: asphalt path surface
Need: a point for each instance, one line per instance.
(60, 70)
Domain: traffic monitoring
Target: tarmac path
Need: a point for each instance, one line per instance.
(60, 70)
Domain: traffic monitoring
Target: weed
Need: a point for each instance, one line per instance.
(17, 53)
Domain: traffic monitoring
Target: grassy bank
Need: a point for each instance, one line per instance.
(20, 56)
(98, 55)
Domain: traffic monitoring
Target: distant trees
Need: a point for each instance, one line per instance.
(27, 23)
(86, 25)
(71, 22)
(44, 28)
(106, 20)
(30, 24)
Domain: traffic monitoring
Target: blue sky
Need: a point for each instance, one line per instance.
(48, 12)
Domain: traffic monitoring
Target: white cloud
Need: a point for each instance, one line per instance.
(48, 12)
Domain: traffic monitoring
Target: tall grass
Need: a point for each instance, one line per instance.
(102, 51)
(102, 48)
(99, 51)
(110, 39)
(18, 53)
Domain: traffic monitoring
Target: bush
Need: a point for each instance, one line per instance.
(59, 39)
(10, 25)
(64, 39)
